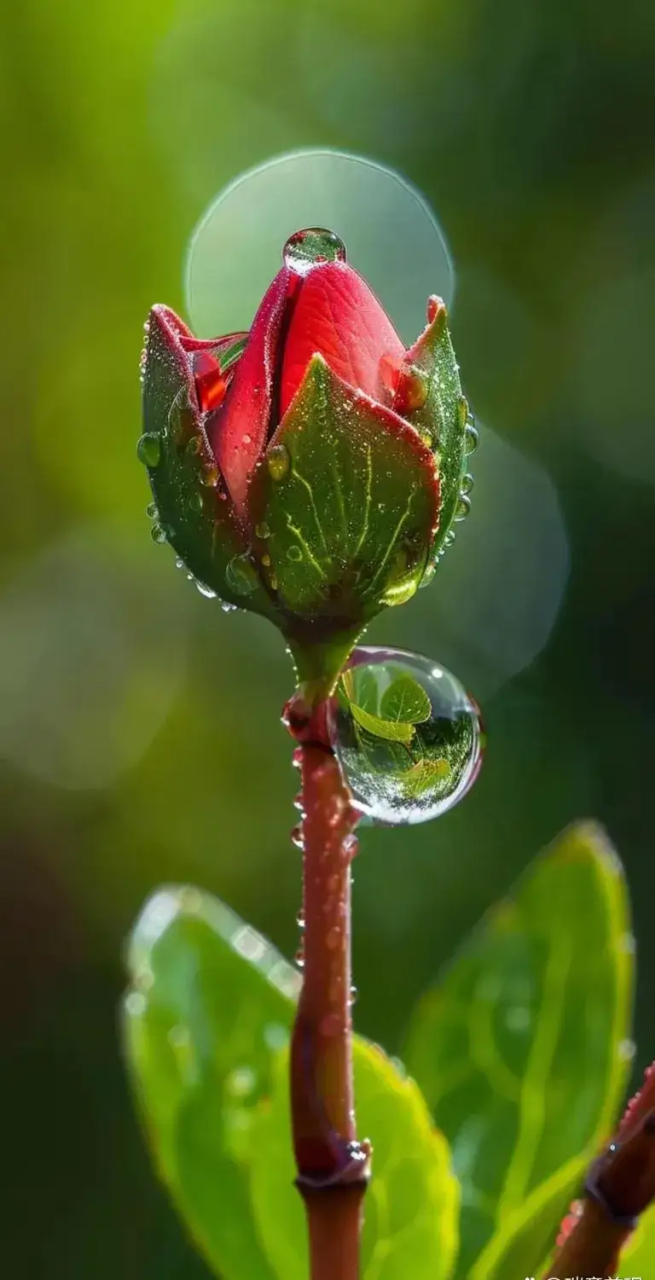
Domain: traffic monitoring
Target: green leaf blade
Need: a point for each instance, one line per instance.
(406, 700)
(206, 1021)
(411, 1204)
(202, 1023)
(390, 730)
(521, 1048)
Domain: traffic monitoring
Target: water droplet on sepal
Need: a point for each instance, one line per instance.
(148, 449)
(278, 461)
(471, 437)
(209, 477)
(241, 575)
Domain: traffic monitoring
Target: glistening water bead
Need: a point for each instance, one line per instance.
(407, 735)
(314, 244)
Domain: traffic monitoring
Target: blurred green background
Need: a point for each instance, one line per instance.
(139, 727)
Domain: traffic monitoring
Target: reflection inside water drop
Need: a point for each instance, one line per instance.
(407, 735)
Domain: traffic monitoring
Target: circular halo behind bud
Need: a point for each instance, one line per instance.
(393, 238)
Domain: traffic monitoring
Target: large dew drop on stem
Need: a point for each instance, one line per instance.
(407, 735)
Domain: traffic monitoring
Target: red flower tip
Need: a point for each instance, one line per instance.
(337, 316)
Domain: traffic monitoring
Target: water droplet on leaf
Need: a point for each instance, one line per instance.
(262, 530)
(158, 533)
(151, 510)
(463, 507)
(294, 552)
(148, 449)
(407, 736)
(278, 461)
(241, 575)
(209, 477)
(305, 249)
(195, 501)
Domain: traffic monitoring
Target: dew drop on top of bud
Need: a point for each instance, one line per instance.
(407, 735)
(305, 249)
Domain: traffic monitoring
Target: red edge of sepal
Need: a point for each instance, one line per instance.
(437, 315)
(175, 335)
(396, 423)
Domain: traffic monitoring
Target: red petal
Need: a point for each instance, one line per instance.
(237, 434)
(338, 317)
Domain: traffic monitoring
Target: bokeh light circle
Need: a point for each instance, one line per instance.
(391, 235)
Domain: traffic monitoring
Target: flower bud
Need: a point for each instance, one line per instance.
(311, 469)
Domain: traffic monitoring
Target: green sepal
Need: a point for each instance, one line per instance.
(443, 415)
(348, 492)
(194, 512)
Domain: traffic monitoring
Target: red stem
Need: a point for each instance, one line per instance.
(620, 1186)
(332, 1165)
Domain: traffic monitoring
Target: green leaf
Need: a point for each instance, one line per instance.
(351, 509)
(208, 1012)
(387, 729)
(411, 1205)
(208, 1009)
(522, 1049)
(193, 515)
(360, 685)
(406, 700)
(638, 1257)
